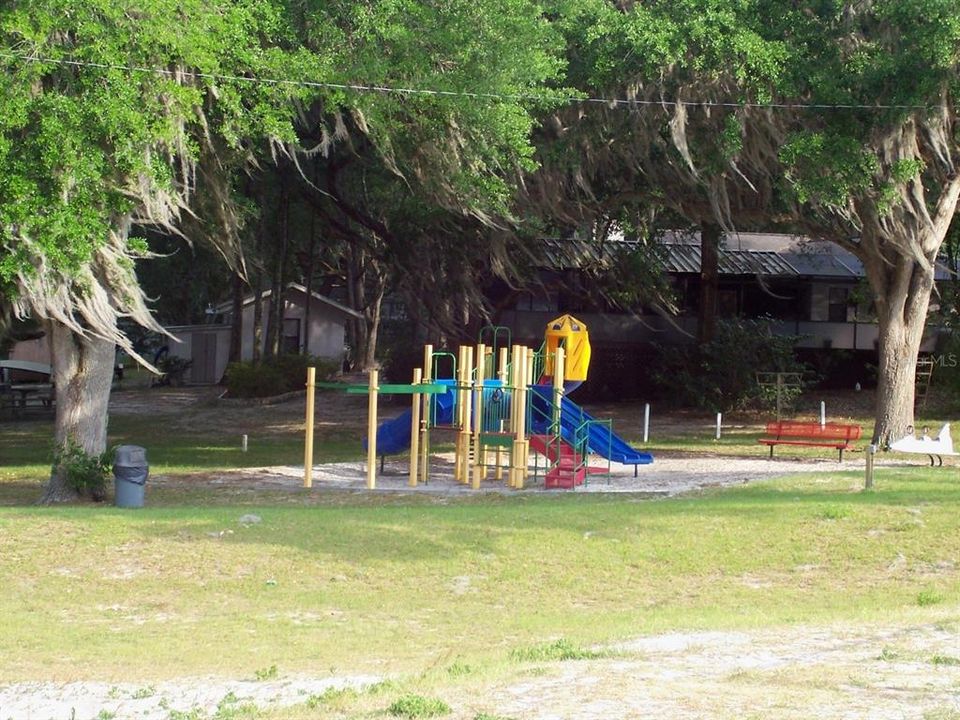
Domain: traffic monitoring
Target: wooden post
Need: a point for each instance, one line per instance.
(514, 404)
(425, 415)
(308, 445)
(479, 461)
(779, 392)
(415, 430)
(868, 482)
(518, 462)
(458, 417)
(467, 412)
(502, 376)
(527, 379)
(372, 430)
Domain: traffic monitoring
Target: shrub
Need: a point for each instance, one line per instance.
(87, 474)
(722, 374)
(249, 379)
(172, 369)
(276, 376)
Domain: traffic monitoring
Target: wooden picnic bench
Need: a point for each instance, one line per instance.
(34, 390)
(812, 434)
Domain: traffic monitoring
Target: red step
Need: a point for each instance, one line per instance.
(547, 446)
(564, 478)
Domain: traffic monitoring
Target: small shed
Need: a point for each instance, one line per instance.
(207, 346)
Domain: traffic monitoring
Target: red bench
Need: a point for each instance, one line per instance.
(792, 432)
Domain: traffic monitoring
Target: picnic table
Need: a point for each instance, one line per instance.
(20, 394)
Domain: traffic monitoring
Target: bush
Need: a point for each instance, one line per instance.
(173, 369)
(722, 375)
(87, 474)
(286, 373)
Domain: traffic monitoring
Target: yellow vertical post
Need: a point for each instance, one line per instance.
(502, 376)
(528, 379)
(479, 458)
(425, 415)
(467, 412)
(373, 390)
(514, 385)
(460, 457)
(308, 446)
(519, 460)
(415, 430)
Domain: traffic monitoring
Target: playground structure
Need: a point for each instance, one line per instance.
(500, 401)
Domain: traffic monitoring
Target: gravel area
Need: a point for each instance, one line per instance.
(665, 476)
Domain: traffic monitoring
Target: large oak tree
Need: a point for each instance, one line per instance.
(116, 114)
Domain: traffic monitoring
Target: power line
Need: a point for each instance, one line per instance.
(520, 97)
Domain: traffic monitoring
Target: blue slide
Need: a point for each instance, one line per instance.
(393, 436)
(601, 440)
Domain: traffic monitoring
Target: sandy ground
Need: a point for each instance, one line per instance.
(873, 673)
(665, 477)
(836, 672)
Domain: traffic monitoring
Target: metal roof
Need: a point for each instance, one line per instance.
(745, 254)
(686, 259)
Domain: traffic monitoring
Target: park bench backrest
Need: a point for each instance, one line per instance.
(813, 430)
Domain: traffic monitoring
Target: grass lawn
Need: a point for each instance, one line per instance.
(387, 584)
(417, 586)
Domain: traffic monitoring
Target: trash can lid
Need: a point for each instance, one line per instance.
(130, 456)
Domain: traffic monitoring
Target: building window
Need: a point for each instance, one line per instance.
(537, 302)
(837, 304)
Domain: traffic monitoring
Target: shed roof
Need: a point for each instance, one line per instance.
(226, 306)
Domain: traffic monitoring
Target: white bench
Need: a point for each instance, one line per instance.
(926, 445)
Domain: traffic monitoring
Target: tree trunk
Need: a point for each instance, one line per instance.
(258, 319)
(372, 314)
(902, 315)
(710, 235)
(82, 372)
(236, 324)
(357, 300)
(308, 283)
(275, 317)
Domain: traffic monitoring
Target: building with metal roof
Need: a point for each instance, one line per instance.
(813, 290)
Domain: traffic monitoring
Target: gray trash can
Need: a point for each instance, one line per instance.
(130, 472)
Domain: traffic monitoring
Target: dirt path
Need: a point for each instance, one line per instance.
(836, 672)
(875, 673)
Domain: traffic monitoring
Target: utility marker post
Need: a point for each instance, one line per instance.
(871, 451)
(646, 422)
